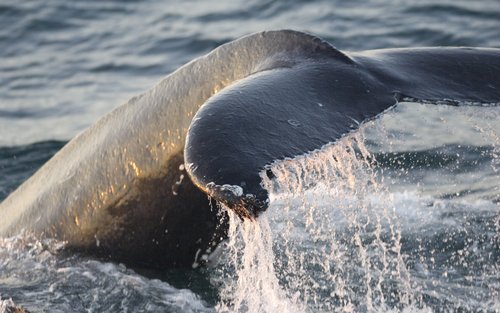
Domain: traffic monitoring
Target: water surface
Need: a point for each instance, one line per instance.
(412, 224)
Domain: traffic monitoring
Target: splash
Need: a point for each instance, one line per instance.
(322, 259)
(348, 254)
(251, 284)
(342, 235)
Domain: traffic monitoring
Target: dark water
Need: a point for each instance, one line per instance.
(66, 63)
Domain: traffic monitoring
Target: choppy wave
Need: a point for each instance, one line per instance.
(39, 277)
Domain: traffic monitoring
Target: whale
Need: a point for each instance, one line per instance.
(304, 101)
(149, 183)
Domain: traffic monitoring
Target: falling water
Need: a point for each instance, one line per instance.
(251, 284)
(338, 237)
(355, 266)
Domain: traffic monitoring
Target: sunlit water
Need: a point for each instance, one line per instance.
(412, 223)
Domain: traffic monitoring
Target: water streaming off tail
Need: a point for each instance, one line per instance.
(323, 259)
(349, 254)
(342, 235)
(249, 281)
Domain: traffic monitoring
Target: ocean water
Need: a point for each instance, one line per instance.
(402, 216)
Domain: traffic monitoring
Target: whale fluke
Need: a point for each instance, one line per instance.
(290, 110)
(119, 189)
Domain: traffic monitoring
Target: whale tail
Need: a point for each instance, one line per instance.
(289, 110)
(119, 190)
